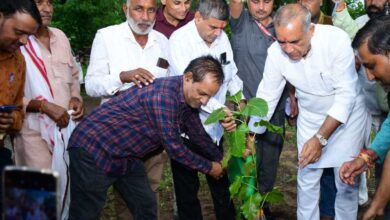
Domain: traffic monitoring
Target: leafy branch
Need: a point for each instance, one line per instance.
(241, 167)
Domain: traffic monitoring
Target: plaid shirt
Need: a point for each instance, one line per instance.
(140, 121)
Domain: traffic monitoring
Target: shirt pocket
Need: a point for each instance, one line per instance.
(63, 72)
(326, 81)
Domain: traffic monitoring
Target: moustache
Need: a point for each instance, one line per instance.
(46, 15)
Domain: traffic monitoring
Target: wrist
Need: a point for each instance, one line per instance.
(42, 106)
(367, 156)
(321, 139)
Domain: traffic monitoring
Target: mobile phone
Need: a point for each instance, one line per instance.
(7, 108)
(30, 193)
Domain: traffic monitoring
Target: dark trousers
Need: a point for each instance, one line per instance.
(268, 148)
(89, 186)
(328, 193)
(186, 185)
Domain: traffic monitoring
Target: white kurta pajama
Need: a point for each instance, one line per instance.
(326, 85)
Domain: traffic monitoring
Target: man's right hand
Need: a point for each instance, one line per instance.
(349, 170)
(58, 114)
(216, 170)
(6, 121)
(138, 76)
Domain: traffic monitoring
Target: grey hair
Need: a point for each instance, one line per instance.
(217, 9)
(290, 12)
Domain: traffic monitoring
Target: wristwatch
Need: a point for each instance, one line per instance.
(322, 139)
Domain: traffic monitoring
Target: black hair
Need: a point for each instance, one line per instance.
(377, 34)
(204, 65)
(10, 7)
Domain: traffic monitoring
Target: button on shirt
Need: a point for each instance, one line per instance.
(140, 121)
(185, 44)
(326, 84)
(115, 50)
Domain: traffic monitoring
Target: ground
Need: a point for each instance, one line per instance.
(286, 182)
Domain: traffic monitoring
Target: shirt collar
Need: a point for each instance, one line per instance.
(128, 34)
(270, 25)
(161, 18)
(197, 38)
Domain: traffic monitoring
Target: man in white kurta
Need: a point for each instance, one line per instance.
(319, 62)
(204, 36)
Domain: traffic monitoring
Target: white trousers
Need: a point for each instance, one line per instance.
(346, 205)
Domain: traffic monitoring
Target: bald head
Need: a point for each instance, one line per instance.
(291, 13)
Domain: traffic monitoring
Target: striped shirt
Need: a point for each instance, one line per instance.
(138, 122)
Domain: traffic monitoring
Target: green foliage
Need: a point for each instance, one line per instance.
(270, 127)
(215, 116)
(242, 172)
(236, 140)
(234, 98)
(255, 107)
(355, 8)
(250, 208)
(275, 196)
(80, 19)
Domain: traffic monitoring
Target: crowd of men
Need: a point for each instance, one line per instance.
(165, 69)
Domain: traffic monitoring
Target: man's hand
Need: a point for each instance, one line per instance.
(78, 107)
(311, 152)
(58, 114)
(216, 170)
(349, 170)
(228, 123)
(341, 5)
(138, 76)
(6, 121)
(373, 211)
(292, 119)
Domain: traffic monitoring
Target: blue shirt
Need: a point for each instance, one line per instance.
(381, 143)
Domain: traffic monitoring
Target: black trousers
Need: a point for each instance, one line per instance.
(186, 185)
(268, 148)
(89, 186)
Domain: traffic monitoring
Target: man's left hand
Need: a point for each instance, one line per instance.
(6, 121)
(78, 107)
(373, 211)
(311, 152)
(228, 123)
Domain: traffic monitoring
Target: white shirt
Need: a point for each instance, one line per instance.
(326, 84)
(185, 44)
(115, 50)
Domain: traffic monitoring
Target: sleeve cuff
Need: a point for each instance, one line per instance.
(256, 129)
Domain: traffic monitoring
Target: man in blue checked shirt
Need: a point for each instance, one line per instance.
(108, 146)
